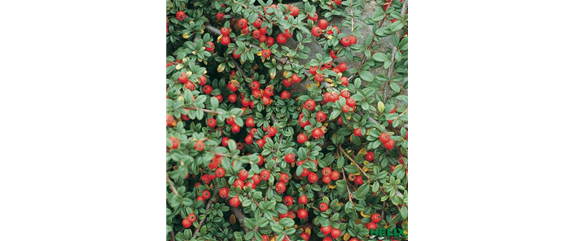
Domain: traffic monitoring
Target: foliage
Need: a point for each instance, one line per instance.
(237, 110)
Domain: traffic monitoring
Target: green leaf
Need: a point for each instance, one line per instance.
(366, 75)
(352, 169)
(381, 57)
(214, 103)
(404, 212)
(395, 87)
(287, 222)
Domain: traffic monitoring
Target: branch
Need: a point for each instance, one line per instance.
(352, 18)
(346, 184)
(238, 68)
(205, 110)
(354, 162)
(203, 220)
(171, 185)
(395, 48)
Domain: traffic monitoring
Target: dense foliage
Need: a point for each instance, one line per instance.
(269, 140)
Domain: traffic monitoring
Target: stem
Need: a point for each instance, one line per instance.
(395, 48)
(354, 162)
(203, 220)
(205, 110)
(352, 18)
(346, 184)
(171, 185)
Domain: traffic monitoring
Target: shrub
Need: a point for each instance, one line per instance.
(269, 139)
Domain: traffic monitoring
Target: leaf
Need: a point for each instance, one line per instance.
(395, 87)
(352, 169)
(381, 57)
(404, 212)
(287, 222)
(214, 103)
(366, 75)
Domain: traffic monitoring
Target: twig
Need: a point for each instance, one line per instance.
(354, 162)
(203, 220)
(352, 18)
(238, 67)
(395, 48)
(346, 184)
(171, 185)
(205, 110)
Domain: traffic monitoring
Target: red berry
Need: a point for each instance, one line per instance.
(345, 41)
(316, 31)
(211, 47)
(345, 81)
(192, 217)
(257, 23)
(266, 53)
(357, 132)
(235, 201)
(284, 177)
(323, 207)
(186, 223)
(285, 95)
(305, 236)
(353, 39)
(302, 199)
(302, 214)
(335, 175)
(317, 133)
(256, 34)
(294, 11)
(345, 108)
(384, 137)
(265, 174)
(182, 78)
(235, 128)
(174, 142)
(309, 104)
(225, 40)
(180, 15)
(242, 23)
(223, 192)
(370, 156)
(342, 67)
(313, 177)
(280, 187)
(323, 24)
(359, 180)
(313, 16)
(319, 77)
(288, 200)
(243, 175)
(207, 89)
(335, 233)
(390, 144)
(326, 230)
(326, 171)
(220, 172)
(281, 38)
(206, 194)
(321, 116)
(371, 225)
(199, 146)
(250, 122)
(225, 31)
(351, 102)
(270, 41)
(301, 138)
(220, 16)
(290, 158)
(376, 218)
